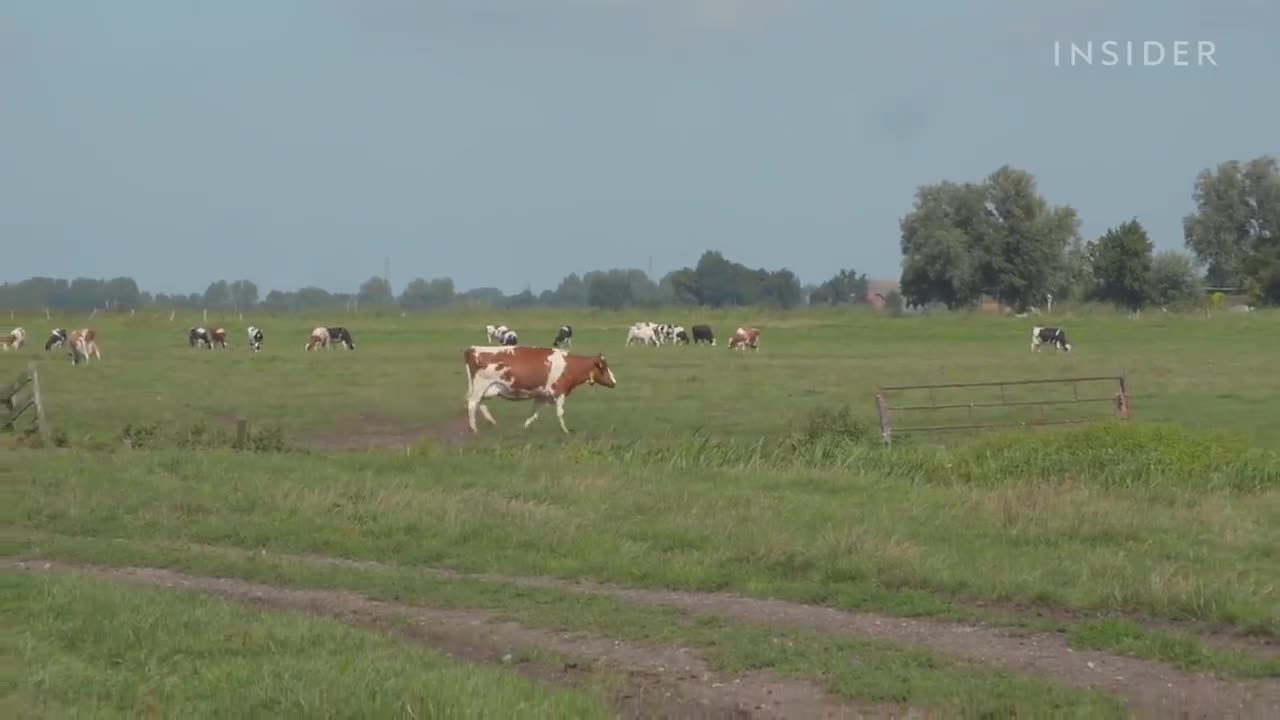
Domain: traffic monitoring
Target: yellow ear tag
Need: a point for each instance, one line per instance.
(591, 379)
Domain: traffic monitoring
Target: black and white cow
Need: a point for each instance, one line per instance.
(679, 336)
(1049, 335)
(564, 337)
(703, 334)
(340, 336)
(508, 337)
(199, 337)
(56, 339)
(255, 338)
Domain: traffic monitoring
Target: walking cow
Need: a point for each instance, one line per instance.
(544, 375)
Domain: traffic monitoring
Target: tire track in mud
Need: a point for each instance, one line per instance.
(657, 681)
(1149, 688)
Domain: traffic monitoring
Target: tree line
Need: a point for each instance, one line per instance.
(962, 242)
(998, 238)
(714, 281)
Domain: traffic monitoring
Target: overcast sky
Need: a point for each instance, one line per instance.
(505, 142)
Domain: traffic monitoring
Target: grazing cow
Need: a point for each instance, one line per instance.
(340, 336)
(495, 332)
(702, 333)
(679, 336)
(544, 375)
(508, 338)
(642, 333)
(219, 337)
(564, 337)
(1055, 336)
(84, 344)
(319, 338)
(255, 338)
(56, 339)
(16, 338)
(744, 338)
(199, 337)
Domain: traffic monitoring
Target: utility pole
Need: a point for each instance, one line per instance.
(386, 272)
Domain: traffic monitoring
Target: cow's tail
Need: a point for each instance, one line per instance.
(469, 359)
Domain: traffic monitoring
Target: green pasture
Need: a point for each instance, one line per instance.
(406, 375)
(704, 469)
(82, 647)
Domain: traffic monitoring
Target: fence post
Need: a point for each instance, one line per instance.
(882, 409)
(41, 424)
(242, 434)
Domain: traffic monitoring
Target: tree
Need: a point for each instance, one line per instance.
(608, 290)
(1235, 229)
(845, 287)
(1173, 279)
(421, 294)
(244, 294)
(1121, 264)
(375, 292)
(123, 291)
(218, 295)
(999, 237)
(1074, 280)
(572, 292)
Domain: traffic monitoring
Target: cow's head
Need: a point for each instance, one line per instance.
(600, 373)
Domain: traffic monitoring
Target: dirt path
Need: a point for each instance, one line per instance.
(1151, 689)
(657, 682)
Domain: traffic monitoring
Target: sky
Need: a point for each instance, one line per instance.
(506, 143)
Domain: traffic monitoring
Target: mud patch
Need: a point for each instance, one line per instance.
(657, 681)
(1149, 688)
(372, 430)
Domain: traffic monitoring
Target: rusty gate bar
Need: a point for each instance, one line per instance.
(1015, 403)
(1006, 382)
(884, 408)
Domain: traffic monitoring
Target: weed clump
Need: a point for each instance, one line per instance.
(203, 436)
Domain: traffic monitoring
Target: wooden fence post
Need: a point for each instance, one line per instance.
(41, 423)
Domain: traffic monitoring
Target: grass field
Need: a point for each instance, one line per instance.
(706, 471)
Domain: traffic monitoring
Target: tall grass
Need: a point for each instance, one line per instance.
(1109, 455)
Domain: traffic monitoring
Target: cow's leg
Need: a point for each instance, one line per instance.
(474, 404)
(537, 407)
(560, 413)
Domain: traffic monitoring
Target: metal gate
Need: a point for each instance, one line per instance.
(978, 412)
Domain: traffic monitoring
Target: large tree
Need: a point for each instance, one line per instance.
(999, 237)
(421, 294)
(1235, 229)
(844, 287)
(1173, 279)
(375, 292)
(1121, 264)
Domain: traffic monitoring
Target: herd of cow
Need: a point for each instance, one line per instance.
(81, 343)
(545, 375)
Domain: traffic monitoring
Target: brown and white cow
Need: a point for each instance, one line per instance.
(744, 338)
(16, 338)
(319, 338)
(544, 375)
(218, 337)
(83, 344)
